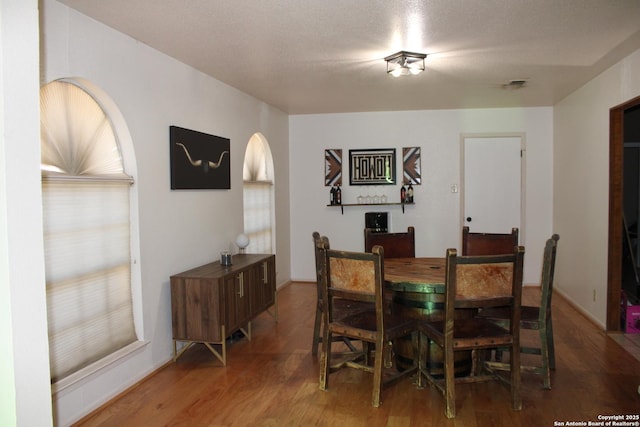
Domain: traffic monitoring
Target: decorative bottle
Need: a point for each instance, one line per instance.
(410, 194)
(332, 195)
(338, 195)
(403, 194)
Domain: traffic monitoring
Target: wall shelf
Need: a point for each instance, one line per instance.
(342, 206)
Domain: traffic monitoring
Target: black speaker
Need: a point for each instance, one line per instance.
(377, 221)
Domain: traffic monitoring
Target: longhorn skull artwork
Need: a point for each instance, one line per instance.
(206, 164)
(199, 160)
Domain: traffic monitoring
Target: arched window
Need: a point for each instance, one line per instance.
(86, 210)
(258, 180)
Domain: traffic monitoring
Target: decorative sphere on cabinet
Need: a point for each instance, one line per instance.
(242, 241)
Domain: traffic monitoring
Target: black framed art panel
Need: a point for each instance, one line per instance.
(376, 166)
(199, 160)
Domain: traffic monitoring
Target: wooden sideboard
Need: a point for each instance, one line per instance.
(211, 302)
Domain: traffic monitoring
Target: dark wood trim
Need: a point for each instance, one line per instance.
(616, 162)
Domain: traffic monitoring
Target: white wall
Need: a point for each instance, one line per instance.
(178, 229)
(25, 397)
(581, 186)
(436, 215)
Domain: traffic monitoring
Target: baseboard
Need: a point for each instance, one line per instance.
(581, 310)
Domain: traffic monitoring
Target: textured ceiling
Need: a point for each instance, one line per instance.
(326, 56)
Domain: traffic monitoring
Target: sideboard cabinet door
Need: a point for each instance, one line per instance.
(237, 299)
(195, 310)
(268, 283)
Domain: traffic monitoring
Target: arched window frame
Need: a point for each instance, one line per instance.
(124, 145)
(258, 195)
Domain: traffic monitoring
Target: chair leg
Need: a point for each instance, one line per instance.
(544, 356)
(316, 330)
(449, 384)
(387, 355)
(366, 350)
(478, 358)
(423, 343)
(378, 366)
(325, 360)
(516, 380)
(552, 351)
(474, 363)
(415, 343)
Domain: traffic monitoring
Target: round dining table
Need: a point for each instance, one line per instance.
(424, 275)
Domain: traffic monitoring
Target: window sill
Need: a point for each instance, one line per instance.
(98, 366)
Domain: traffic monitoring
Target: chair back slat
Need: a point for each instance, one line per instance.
(488, 243)
(396, 245)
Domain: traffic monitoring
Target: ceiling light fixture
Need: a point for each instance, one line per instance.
(405, 63)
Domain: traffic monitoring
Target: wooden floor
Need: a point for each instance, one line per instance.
(272, 380)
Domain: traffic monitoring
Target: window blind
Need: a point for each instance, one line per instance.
(87, 265)
(257, 215)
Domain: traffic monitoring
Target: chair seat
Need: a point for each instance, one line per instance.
(343, 307)
(529, 316)
(359, 324)
(469, 333)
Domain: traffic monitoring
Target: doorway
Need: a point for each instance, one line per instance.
(617, 231)
(631, 213)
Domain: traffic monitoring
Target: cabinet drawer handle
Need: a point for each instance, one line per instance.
(264, 272)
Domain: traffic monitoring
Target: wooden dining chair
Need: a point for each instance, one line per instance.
(396, 245)
(342, 308)
(359, 277)
(534, 318)
(488, 243)
(475, 282)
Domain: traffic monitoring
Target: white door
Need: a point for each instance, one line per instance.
(492, 183)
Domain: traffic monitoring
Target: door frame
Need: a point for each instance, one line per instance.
(523, 152)
(616, 194)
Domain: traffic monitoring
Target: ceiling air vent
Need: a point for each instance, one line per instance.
(515, 84)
